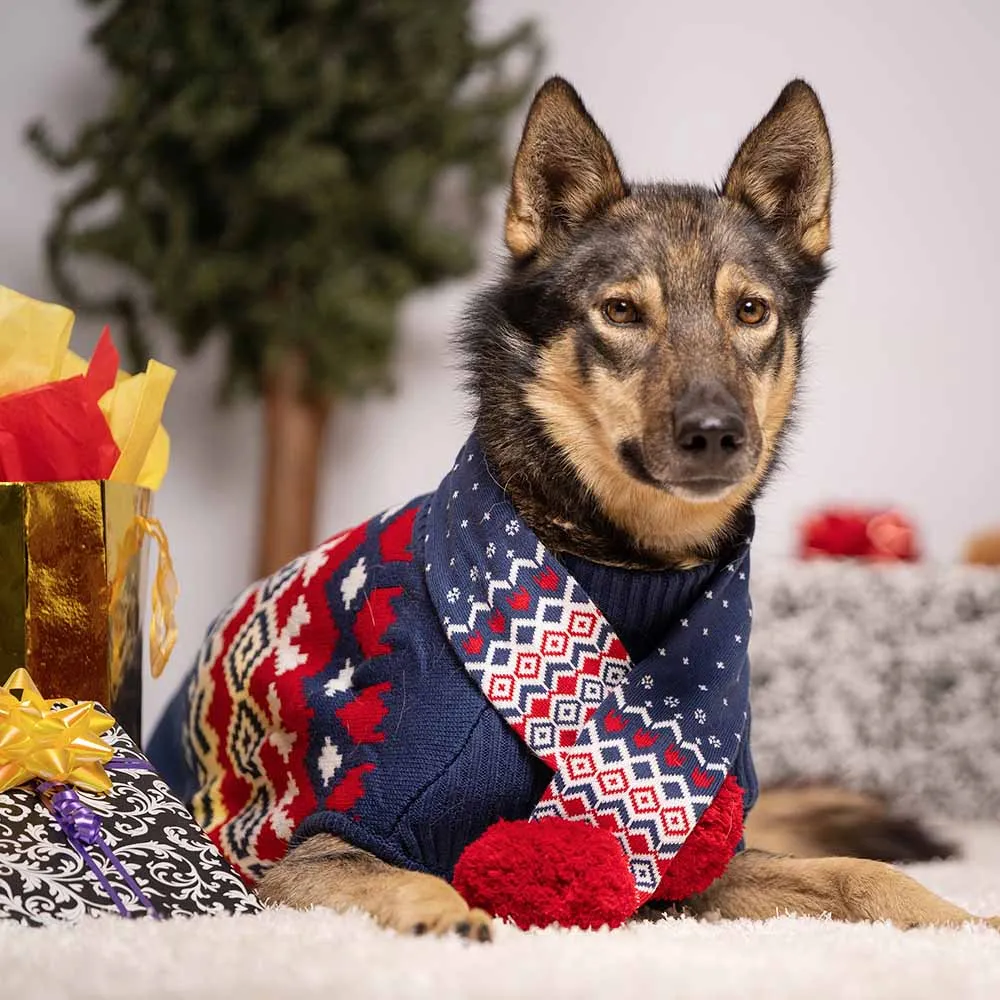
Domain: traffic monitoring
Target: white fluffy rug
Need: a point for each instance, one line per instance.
(305, 955)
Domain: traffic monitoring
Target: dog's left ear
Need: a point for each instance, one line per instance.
(564, 173)
(784, 170)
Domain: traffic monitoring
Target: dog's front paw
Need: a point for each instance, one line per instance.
(423, 904)
(477, 925)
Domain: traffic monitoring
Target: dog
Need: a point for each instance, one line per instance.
(634, 372)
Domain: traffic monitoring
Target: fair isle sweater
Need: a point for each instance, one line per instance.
(419, 677)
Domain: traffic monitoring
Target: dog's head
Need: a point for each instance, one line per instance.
(651, 334)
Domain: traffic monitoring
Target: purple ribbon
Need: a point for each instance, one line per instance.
(82, 827)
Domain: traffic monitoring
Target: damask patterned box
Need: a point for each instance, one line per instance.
(149, 859)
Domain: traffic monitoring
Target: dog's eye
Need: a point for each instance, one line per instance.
(752, 312)
(620, 311)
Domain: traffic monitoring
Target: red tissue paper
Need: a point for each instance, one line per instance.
(57, 431)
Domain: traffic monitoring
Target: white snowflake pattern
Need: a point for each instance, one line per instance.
(512, 527)
(720, 665)
(491, 550)
(510, 553)
(486, 516)
(715, 741)
(704, 631)
(647, 681)
(465, 522)
(453, 595)
(738, 638)
(725, 604)
(686, 661)
(700, 716)
(352, 584)
(474, 574)
(708, 595)
(671, 702)
(475, 486)
(684, 623)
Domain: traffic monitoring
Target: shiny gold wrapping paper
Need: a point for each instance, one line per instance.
(72, 594)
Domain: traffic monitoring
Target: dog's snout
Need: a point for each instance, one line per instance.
(709, 426)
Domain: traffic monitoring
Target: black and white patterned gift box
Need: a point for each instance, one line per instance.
(155, 861)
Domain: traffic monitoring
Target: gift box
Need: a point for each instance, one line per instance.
(82, 449)
(109, 837)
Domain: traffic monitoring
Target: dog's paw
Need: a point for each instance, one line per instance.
(476, 925)
(422, 904)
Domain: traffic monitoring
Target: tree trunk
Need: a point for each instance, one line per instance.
(294, 431)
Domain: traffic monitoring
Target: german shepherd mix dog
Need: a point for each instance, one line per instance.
(634, 373)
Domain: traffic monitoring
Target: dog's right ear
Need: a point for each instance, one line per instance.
(564, 173)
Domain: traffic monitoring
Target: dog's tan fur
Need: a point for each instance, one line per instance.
(757, 886)
(326, 871)
(564, 174)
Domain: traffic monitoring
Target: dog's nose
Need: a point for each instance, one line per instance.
(708, 425)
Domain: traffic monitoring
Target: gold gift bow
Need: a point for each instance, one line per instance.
(51, 740)
(163, 623)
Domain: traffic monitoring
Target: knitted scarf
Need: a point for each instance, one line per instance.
(640, 749)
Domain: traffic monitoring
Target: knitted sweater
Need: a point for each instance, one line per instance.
(385, 687)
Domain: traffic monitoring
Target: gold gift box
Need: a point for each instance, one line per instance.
(72, 590)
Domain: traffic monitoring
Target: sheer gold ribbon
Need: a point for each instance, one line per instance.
(163, 623)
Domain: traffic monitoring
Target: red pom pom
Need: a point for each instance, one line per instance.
(548, 871)
(706, 853)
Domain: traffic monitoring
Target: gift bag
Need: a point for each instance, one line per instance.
(88, 828)
(81, 451)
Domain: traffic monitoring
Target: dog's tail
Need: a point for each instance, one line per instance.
(813, 821)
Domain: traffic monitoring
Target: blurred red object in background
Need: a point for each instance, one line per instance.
(859, 533)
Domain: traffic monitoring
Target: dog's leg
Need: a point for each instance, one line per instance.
(758, 886)
(326, 871)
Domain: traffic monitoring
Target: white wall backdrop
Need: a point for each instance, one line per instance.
(902, 401)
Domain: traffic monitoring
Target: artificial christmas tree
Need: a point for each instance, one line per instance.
(282, 173)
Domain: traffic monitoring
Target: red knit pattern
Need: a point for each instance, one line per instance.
(706, 853)
(364, 713)
(548, 871)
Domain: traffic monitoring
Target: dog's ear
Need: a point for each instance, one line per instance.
(564, 171)
(784, 170)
